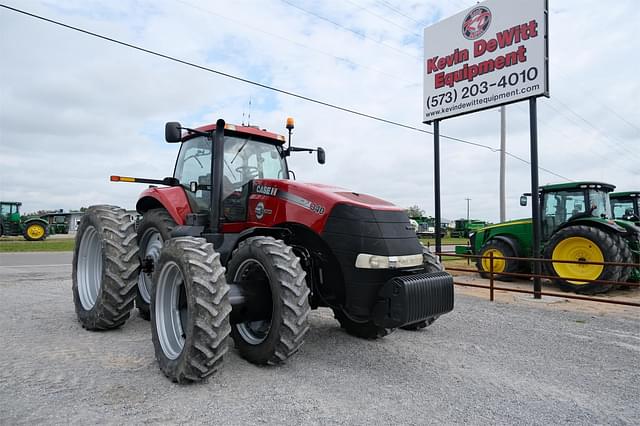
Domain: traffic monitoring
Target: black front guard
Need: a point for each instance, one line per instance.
(412, 298)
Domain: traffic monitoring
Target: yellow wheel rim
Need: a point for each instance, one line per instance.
(35, 231)
(499, 265)
(580, 249)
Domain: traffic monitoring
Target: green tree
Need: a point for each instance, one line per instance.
(415, 211)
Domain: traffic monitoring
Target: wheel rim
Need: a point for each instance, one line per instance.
(152, 242)
(35, 231)
(499, 265)
(89, 268)
(579, 249)
(171, 310)
(253, 332)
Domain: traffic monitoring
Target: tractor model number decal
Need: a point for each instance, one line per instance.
(302, 202)
(266, 190)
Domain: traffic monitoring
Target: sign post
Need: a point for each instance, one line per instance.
(436, 182)
(494, 53)
(535, 199)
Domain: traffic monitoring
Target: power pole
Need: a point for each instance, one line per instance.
(503, 158)
(468, 199)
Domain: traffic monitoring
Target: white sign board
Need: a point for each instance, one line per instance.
(493, 53)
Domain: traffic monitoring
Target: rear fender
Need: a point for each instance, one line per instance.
(173, 199)
(606, 226)
(36, 220)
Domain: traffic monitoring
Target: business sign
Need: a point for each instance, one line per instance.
(493, 53)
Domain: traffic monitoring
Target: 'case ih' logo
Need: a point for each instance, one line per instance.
(476, 22)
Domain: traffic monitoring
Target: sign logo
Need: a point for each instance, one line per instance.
(266, 190)
(260, 210)
(476, 22)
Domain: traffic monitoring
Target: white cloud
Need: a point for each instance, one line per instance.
(75, 109)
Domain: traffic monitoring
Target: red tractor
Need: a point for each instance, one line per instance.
(231, 246)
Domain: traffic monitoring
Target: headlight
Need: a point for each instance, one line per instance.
(372, 261)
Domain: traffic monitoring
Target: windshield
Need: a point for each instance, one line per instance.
(623, 208)
(244, 159)
(599, 203)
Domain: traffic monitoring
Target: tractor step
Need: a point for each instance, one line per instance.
(412, 298)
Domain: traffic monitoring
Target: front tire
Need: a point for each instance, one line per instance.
(153, 230)
(363, 329)
(189, 310)
(586, 243)
(105, 268)
(270, 262)
(499, 249)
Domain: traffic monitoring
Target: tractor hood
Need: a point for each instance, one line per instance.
(273, 202)
(525, 221)
(334, 195)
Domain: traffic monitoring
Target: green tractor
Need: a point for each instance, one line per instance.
(626, 205)
(464, 227)
(11, 223)
(427, 226)
(577, 224)
(58, 222)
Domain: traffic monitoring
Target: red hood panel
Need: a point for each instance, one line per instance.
(276, 202)
(331, 194)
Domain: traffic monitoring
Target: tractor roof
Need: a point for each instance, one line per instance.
(577, 185)
(630, 194)
(243, 130)
(18, 203)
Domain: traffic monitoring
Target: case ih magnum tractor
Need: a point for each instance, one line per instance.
(230, 246)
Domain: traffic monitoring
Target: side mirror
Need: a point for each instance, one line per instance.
(173, 132)
(523, 200)
(193, 186)
(321, 156)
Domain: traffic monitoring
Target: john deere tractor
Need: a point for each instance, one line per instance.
(626, 205)
(11, 223)
(229, 245)
(577, 225)
(463, 227)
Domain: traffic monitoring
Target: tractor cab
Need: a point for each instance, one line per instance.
(245, 158)
(10, 211)
(626, 205)
(563, 203)
(9, 218)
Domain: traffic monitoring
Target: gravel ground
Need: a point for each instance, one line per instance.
(483, 363)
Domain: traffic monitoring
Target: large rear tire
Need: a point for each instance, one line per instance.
(431, 264)
(189, 310)
(270, 262)
(35, 231)
(586, 243)
(105, 268)
(153, 230)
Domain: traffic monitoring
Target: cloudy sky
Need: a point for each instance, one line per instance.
(75, 109)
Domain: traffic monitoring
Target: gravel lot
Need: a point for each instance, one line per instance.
(483, 363)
